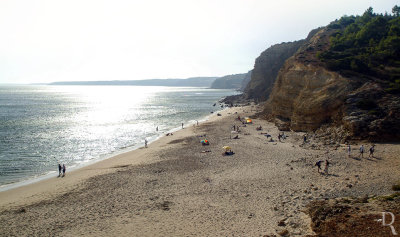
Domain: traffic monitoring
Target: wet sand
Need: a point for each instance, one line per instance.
(174, 188)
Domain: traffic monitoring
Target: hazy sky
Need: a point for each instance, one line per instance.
(51, 40)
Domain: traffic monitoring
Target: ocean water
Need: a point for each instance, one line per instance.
(41, 126)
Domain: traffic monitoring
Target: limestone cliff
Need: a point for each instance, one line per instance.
(266, 69)
(306, 96)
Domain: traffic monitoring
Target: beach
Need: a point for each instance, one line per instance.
(178, 187)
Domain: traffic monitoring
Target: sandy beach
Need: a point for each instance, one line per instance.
(175, 188)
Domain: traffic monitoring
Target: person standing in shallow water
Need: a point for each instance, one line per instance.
(59, 170)
(63, 170)
(182, 125)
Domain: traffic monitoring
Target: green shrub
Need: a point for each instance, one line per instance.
(374, 112)
(366, 44)
(366, 104)
(390, 197)
(394, 87)
(396, 187)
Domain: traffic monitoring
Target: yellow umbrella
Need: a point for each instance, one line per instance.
(227, 147)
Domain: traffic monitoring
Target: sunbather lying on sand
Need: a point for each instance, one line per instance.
(205, 151)
(228, 153)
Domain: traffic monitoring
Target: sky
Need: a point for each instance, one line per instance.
(45, 41)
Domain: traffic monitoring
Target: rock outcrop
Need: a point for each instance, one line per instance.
(370, 112)
(246, 80)
(266, 69)
(305, 96)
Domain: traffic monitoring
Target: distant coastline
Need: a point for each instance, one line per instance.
(189, 82)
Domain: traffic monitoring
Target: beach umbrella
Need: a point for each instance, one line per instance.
(226, 148)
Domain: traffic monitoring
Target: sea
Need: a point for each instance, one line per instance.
(42, 126)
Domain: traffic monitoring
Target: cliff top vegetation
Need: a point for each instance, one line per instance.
(366, 46)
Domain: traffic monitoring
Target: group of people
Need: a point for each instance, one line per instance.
(236, 128)
(61, 170)
(362, 150)
(319, 163)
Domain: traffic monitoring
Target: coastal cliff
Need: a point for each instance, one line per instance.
(246, 80)
(309, 96)
(341, 82)
(266, 68)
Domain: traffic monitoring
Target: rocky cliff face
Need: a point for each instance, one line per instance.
(266, 69)
(308, 97)
(246, 80)
(370, 112)
(305, 96)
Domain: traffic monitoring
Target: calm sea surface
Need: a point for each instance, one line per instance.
(41, 126)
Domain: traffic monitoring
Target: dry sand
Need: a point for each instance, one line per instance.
(172, 188)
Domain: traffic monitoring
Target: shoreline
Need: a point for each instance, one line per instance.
(51, 174)
(37, 185)
(177, 187)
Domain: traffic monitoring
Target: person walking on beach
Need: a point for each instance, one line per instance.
(348, 150)
(304, 138)
(59, 170)
(361, 151)
(63, 170)
(157, 129)
(182, 125)
(327, 163)
(319, 165)
(145, 142)
(371, 151)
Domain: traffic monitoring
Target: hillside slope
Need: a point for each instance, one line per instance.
(229, 81)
